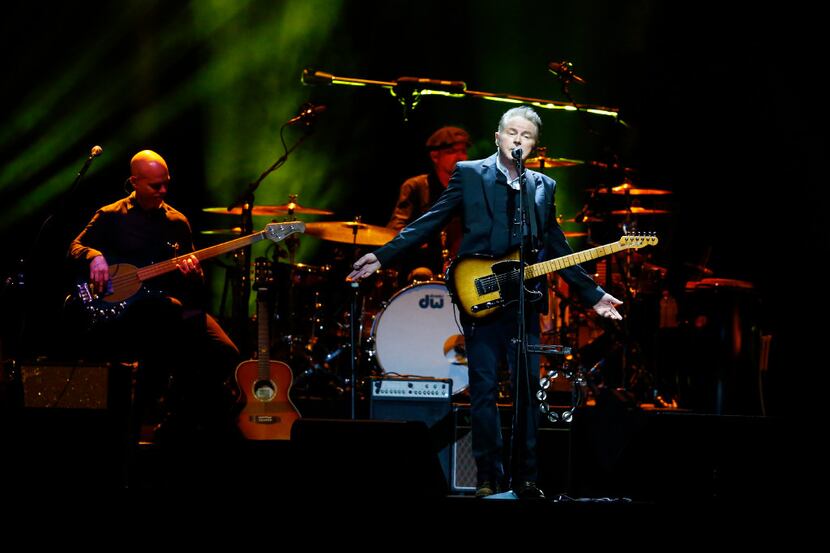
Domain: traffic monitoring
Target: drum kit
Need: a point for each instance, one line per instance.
(402, 330)
(620, 207)
(409, 330)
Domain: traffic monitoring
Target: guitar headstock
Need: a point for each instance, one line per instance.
(638, 240)
(280, 231)
(263, 273)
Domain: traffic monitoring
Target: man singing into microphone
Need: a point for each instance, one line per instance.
(484, 193)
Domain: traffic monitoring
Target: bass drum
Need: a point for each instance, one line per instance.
(416, 334)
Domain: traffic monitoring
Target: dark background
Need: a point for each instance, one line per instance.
(723, 105)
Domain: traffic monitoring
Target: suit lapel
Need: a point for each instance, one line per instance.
(543, 200)
(488, 183)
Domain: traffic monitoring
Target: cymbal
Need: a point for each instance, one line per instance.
(627, 187)
(639, 211)
(351, 232)
(588, 219)
(270, 210)
(574, 234)
(223, 231)
(612, 166)
(542, 162)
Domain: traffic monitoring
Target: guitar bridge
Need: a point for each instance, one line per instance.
(264, 419)
(487, 305)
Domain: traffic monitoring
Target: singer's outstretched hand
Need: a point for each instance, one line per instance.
(364, 267)
(606, 306)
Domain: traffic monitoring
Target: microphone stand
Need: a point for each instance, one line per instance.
(245, 200)
(25, 264)
(520, 341)
(615, 173)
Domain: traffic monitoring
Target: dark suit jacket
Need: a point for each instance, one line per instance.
(474, 193)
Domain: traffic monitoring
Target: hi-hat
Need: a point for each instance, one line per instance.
(351, 232)
(271, 210)
(634, 210)
(627, 187)
(542, 162)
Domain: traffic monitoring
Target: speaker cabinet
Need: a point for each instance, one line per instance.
(434, 412)
(365, 458)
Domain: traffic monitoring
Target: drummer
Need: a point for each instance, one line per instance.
(446, 147)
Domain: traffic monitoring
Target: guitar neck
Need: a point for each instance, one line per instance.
(163, 267)
(552, 265)
(263, 335)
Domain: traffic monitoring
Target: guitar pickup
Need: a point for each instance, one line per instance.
(487, 305)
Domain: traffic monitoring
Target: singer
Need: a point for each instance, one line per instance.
(484, 194)
(168, 330)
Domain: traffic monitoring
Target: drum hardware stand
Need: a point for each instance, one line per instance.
(634, 374)
(452, 89)
(354, 288)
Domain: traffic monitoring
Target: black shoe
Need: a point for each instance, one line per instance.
(528, 490)
(486, 488)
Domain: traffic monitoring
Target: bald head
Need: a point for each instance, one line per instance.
(149, 177)
(147, 161)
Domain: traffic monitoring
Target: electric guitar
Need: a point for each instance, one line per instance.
(126, 281)
(482, 285)
(268, 412)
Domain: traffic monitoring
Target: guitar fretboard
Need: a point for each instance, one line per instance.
(163, 267)
(545, 267)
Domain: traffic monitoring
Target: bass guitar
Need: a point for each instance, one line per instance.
(126, 281)
(482, 285)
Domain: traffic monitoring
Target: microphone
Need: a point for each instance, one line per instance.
(307, 114)
(564, 70)
(312, 77)
(93, 153)
(516, 153)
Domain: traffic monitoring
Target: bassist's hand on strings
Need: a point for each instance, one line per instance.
(99, 273)
(190, 267)
(606, 307)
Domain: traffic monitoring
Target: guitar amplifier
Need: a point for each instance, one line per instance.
(417, 399)
(411, 388)
(67, 386)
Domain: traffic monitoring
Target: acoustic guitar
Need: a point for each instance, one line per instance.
(264, 384)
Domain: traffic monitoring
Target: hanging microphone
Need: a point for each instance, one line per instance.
(307, 114)
(516, 153)
(564, 70)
